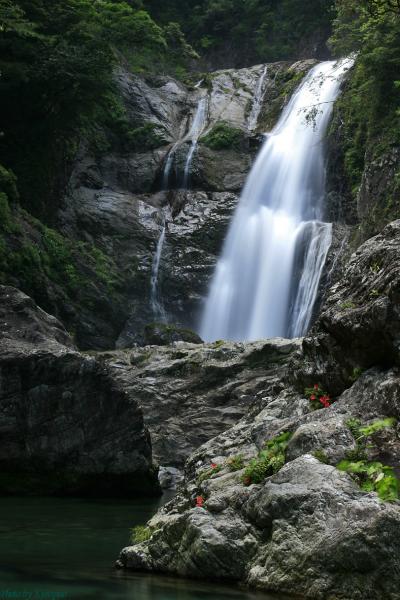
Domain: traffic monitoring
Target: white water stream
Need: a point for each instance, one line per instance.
(258, 101)
(156, 304)
(194, 134)
(267, 279)
(195, 131)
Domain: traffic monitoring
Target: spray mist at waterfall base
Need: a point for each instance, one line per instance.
(266, 282)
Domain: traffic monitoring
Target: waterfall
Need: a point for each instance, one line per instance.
(156, 304)
(266, 281)
(258, 101)
(194, 134)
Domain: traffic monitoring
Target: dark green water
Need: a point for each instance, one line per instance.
(63, 549)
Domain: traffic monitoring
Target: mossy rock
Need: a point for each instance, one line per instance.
(163, 334)
(223, 137)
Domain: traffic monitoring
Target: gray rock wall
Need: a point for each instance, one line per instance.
(66, 425)
(114, 199)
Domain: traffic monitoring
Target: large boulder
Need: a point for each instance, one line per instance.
(309, 529)
(67, 426)
(190, 393)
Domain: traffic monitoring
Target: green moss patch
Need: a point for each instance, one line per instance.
(223, 137)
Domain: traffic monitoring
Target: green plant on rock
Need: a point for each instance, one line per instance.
(318, 398)
(140, 534)
(146, 137)
(348, 305)
(218, 343)
(376, 426)
(373, 477)
(356, 374)
(208, 473)
(235, 463)
(223, 137)
(375, 267)
(269, 461)
(361, 432)
(321, 456)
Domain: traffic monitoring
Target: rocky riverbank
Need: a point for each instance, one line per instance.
(288, 500)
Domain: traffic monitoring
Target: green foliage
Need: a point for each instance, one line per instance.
(269, 461)
(235, 463)
(59, 78)
(360, 431)
(377, 426)
(373, 477)
(8, 184)
(140, 534)
(354, 425)
(348, 305)
(356, 374)
(259, 30)
(223, 137)
(368, 109)
(321, 456)
(5, 213)
(12, 19)
(208, 473)
(145, 138)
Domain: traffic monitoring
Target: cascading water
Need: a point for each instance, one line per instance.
(194, 134)
(266, 282)
(258, 101)
(156, 305)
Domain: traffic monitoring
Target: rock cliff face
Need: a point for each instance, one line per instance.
(116, 200)
(66, 425)
(309, 528)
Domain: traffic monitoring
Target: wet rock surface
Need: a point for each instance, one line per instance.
(360, 314)
(116, 199)
(66, 425)
(308, 529)
(190, 393)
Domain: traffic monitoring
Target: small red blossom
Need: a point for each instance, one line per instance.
(316, 386)
(199, 501)
(313, 397)
(325, 401)
(214, 465)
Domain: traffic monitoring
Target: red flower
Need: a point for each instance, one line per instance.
(214, 465)
(313, 397)
(199, 501)
(325, 401)
(316, 386)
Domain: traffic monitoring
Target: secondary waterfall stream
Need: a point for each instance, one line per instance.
(266, 281)
(195, 132)
(258, 101)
